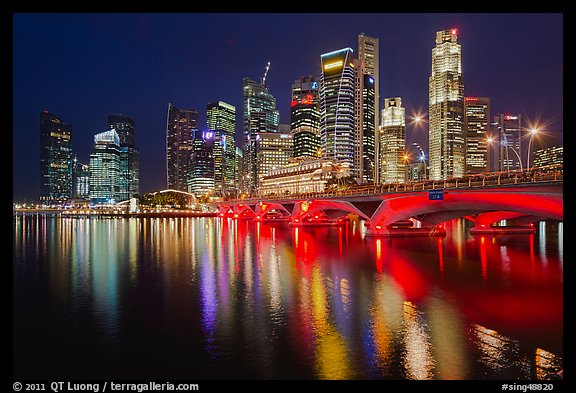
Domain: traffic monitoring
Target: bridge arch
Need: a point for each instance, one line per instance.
(332, 209)
(262, 208)
(462, 203)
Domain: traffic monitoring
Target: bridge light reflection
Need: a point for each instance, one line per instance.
(483, 259)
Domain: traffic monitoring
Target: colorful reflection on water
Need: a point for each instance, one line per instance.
(218, 298)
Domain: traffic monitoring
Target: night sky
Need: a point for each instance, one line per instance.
(83, 67)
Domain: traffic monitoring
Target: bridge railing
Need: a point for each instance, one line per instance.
(482, 180)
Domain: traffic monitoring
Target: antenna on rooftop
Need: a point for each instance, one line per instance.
(265, 73)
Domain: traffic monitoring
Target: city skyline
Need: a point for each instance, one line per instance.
(509, 98)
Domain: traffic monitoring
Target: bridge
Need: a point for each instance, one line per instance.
(419, 207)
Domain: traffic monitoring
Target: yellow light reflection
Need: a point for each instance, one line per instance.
(483, 258)
(449, 343)
(331, 355)
(546, 363)
(494, 346)
(418, 359)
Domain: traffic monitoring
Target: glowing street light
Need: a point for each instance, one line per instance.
(489, 141)
(405, 158)
(533, 132)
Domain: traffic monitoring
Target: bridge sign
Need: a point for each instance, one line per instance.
(436, 195)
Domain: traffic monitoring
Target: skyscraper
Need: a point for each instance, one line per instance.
(393, 141)
(104, 167)
(508, 129)
(476, 128)
(364, 135)
(337, 90)
(82, 180)
(221, 119)
(201, 175)
(369, 56)
(239, 171)
(181, 126)
(274, 151)
(446, 108)
(129, 155)
(305, 117)
(259, 115)
(56, 160)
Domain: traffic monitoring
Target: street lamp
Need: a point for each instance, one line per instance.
(489, 147)
(405, 158)
(533, 132)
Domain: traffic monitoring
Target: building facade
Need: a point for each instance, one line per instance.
(337, 92)
(369, 60)
(56, 160)
(393, 141)
(201, 177)
(82, 180)
(181, 126)
(221, 119)
(364, 135)
(259, 114)
(303, 175)
(549, 157)
(305, 117)
(446, 108)
(104, 169)
(477, 130)
(416, 171)
(274, 151)
(508, 129)
(129, 155)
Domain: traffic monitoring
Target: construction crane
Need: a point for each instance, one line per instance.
(265, 73)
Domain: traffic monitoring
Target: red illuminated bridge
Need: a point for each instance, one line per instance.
(419, 208)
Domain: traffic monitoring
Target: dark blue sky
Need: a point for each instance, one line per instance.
(83, 67)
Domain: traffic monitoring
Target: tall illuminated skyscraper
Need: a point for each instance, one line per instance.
(201, 174)
(337, 91)
(221, 119)
(446, 108)
(476, 127)
(56, 160)
(393, 141)
(305, 117)
(364, 131)
(82, 180)
(129, 155)
(369, 58)
(274, 151)
(259, 115)
(105, 174)
(181, 126)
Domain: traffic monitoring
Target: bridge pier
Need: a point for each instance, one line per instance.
(318, 221)
(502, 230)
(437, 230)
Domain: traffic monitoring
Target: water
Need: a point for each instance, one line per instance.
(212, 298)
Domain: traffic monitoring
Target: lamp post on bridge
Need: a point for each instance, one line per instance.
(533, 132)
(405, 159)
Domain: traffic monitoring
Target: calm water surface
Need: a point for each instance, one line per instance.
(212, 298)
